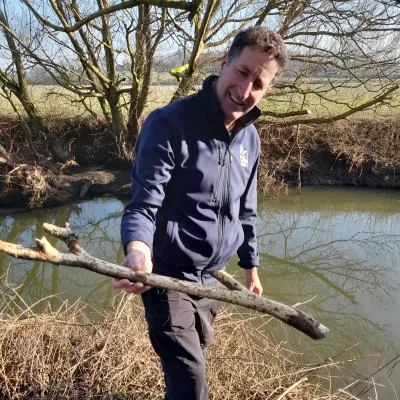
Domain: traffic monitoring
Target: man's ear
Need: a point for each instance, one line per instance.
(223, 62)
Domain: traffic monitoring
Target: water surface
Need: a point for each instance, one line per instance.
(336, 250)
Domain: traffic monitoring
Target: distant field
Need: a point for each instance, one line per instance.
(329, 102)
(55, 101)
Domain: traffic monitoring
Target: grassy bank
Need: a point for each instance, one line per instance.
(63, 354)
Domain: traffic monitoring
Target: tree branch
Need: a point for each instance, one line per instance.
(123, 5)
(361, 107)
(287, 114)
(77, 257)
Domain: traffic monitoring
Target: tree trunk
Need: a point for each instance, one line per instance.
(185, 86)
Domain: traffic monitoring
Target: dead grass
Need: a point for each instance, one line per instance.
(359, 142)
(62, 354)
(363, 141)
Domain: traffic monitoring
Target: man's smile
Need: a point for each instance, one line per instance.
(235, 100)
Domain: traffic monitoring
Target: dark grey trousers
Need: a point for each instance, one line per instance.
(180, 328)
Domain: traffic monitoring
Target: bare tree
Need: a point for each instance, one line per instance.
(344, 55)
(15, 88)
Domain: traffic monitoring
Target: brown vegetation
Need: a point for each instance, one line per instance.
(63, 354)
(355, 152)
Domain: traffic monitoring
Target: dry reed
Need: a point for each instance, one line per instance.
(62, 354)
(33, 183)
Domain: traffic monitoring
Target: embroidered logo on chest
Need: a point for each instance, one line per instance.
(244, 157)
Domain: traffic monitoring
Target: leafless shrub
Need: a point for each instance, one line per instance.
(366, 140)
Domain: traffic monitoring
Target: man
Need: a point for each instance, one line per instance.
(194, 203)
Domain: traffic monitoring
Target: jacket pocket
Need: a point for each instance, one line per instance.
(167, 237)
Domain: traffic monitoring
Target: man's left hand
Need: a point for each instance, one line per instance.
(253, 281)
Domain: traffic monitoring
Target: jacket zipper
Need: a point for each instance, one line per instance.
(221, 215)
(220, 162)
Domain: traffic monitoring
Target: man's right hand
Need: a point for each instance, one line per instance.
(138, 258)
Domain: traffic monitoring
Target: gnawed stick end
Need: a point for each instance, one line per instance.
(10, 248)
(65, 234)
(318, 332)
(61, 233)
(308, 325)
(39, 253)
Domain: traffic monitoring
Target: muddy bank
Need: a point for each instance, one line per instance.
(83, 182)
(326, 169)
(358, 152)
(318, 168)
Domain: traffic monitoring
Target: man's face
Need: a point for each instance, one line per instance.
(244, 82)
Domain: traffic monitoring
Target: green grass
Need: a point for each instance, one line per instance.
(324, 100)
(55, 101)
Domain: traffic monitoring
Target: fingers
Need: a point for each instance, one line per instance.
(136, 288)
(136, 261)
(120, 283)
(257, 290)
(129, 287)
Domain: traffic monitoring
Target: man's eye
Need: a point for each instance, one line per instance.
(241, 72)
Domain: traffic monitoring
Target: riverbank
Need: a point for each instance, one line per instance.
(63, 354)
(358, 152)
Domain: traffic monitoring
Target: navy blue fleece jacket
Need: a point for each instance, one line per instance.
(194, 188)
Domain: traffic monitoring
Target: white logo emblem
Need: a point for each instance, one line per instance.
(244, 157)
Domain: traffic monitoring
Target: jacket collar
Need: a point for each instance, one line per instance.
(213, 108)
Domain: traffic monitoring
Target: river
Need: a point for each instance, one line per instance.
(334, 249)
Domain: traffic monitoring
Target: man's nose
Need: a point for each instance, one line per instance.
(245, 89)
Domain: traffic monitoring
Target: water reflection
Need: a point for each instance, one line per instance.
(97, 224)
(338, 248)
(345, 260)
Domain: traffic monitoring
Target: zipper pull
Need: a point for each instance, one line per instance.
(219, 156)
(230, 154)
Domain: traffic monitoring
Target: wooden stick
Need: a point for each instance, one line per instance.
(229, 281)
(239, 295)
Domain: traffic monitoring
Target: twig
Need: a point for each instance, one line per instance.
(291, 388)
(77, 257)
(228, 281)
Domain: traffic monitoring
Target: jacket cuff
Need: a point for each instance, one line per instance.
(251, 263)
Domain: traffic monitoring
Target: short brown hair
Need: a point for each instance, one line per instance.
(263, 39)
